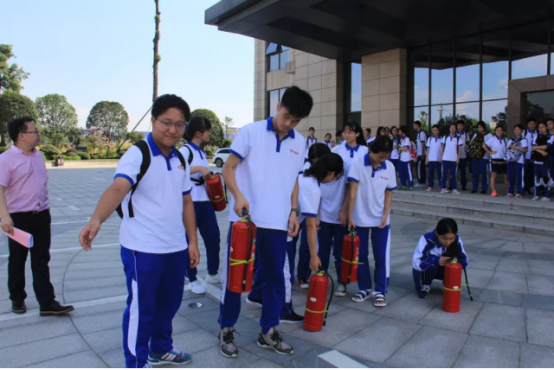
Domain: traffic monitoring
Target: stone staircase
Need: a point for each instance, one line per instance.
(521, 215)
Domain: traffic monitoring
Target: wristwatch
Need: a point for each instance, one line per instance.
(296, 210)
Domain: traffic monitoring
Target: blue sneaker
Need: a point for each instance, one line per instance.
(173, 357)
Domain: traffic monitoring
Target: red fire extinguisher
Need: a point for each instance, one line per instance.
(350, 257)
(452, 289)
(315, 313)
(241, 256)
(214, 187)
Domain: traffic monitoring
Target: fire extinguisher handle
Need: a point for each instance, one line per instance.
(244, 212)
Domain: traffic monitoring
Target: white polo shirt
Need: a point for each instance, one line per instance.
(497, 145)
(199, 193)
(334, 192)
(523, 144)
(464, 139)
(267, 172)
(421, 136)
(157, 203)
(369, 140)
(369, 207)
(435, 146)
(309, 196)
(451, 145)
(395, 154)
(309, 143)
(530, 136)
(485, 138)
(405, 156)
(328, 143)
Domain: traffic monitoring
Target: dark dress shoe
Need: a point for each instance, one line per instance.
(19, 307)
(55, 308)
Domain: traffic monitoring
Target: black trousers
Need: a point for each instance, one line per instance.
(38, 225)
(421, 170)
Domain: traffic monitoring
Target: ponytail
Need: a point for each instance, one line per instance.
(330, 162)
(317, 150)
(446, 226)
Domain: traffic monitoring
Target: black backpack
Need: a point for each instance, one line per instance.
(475, 148)
(145, 150)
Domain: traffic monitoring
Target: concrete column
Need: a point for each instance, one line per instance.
(260, 95)
(384, 81)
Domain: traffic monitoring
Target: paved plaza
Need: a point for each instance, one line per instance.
(510, 323)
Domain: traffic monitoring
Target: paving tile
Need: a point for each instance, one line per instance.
(194, 340)
(338, 328)
(95, 293)
(508, 281)
(263, 363)
(301, 347)
(512, 247)
(212, 358)
(114, 358)
(539, 267)
(540, 284)
(536, 356)
(207, 305)
(42, 350)
(538, 301)
(415, 353)
(488, 352)
(99, 321)
(503, 322)
(539, 327)
(385, 336)
(37, 331)
(310, 359)
(500, 297)
(460, 321)
(412, 308)
(86, 359)
(478, 278)
(483, 262)
(519, 266)
(105, 340)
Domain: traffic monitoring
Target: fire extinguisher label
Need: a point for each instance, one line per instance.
(313, 299)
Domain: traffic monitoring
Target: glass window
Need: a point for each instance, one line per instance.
(495, 112)
(496, 55)
(419, 62)
(284, 59)
(273, 62)
(441, 115)
(468, 112)
(529, 50)
(273, 100)
(467, 71)
(271, 48)
(421, 114)
(442, 73)
(356, 88)
(540, 105)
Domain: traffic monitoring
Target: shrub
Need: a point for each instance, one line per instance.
(93, 156)
(49, 151)
(209, 151)
(3, 149)
(72, 158)
(84, 155)
(71, 152)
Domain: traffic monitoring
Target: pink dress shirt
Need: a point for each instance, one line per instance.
(25, 178)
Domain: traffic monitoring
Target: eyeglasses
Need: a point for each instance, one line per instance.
(179, 126)
(30, 132)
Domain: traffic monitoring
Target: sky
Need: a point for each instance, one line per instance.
(95, 50)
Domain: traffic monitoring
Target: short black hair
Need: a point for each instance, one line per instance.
(368, 130)
(453, 124)
(542, 123)
(482, 124)
(354, 126)
(519, 126)
(531, 119)
(18, 126)
(167, 101)
(446, 226)
(338, 133)
(297, 101)
(330, 162)
(436, 126)
(381, 144)
(318, 150)
(460, 122)
(311, 129)
(550, 119)
(417, 122)
(328, 134)
(404, 129)
(197, 124)
(497, 127)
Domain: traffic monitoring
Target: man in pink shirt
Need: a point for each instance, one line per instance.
(24, 205)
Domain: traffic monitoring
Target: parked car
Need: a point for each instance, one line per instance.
(220, 157)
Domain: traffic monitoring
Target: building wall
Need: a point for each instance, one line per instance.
(321, 77)
(384, 79)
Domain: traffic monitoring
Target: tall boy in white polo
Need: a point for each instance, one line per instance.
(434, 148)
(450, 158)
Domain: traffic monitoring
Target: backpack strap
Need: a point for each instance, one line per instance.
(200, 181)
(145, 150)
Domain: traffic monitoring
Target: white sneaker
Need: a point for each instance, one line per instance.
(456, 192)
(418, 185)
(545, 199)
(536, 198)
(444, 191)
(550, 183)
(341, 290)
(197, 288)
(213, 279)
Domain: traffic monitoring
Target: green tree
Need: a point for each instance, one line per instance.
(135, 136)
(92, 142)
(227, 124)
(217, 137)
(55, 113)
(10, 75)
(58, 139)
(110, 118)
(13, 105)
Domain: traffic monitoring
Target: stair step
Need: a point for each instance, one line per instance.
(536, 229)
(490, 212)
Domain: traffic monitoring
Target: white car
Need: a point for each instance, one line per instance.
(221, 156)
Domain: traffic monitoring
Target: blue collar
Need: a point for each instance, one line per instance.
(270, 128)
(516, 139)
(500, 139)
(367, 162)
(352, 150)
(156, 151)
(199, 150)
(436, 138)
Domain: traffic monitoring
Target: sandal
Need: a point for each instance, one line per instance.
(361, 296)
(380, 300)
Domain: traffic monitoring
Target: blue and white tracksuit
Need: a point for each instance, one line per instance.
(425, 262)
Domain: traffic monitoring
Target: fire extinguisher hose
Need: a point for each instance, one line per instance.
(352, 236)
(249, 255)
(330, 298)
(467, 285)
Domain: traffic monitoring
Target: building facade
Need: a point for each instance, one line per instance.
(390, 63)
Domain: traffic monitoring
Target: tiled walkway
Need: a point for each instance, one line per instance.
(508, 325)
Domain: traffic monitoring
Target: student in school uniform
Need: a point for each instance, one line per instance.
(198, 134)
(328, 141)
(406, 180)
(368, 138)
(550, 144)
(450, 158)
(516, 169)
(421, 139)
(381, 131)
(262, 174)
(338, 137)
(324, 170)
(433, 157)
(153, 235)
(530, 134)
(395, 154)
(334, 204)
(480, 165)
(496, 147)
(372, 181)
(464, 140)
(310, 140)
(540, 161)
(433, 251)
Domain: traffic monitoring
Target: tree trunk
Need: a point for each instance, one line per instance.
(156, 55)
